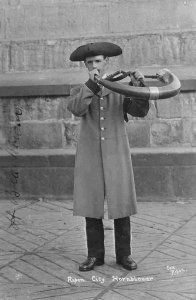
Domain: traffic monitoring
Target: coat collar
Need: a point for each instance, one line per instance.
(104, 92)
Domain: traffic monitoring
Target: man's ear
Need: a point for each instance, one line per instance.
(107, 59)
(85, 63)
(106, 62)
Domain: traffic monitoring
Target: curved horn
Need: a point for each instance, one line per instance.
(147, 93)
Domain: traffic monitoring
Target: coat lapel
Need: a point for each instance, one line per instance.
(104, 92)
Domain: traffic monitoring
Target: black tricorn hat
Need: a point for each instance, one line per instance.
(94, 49)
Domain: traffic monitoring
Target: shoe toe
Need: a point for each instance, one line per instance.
(127, 262)
(89, 264)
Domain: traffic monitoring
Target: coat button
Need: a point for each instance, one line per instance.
(102, 128)
(101, 107)
(102, 118)
(102, 138)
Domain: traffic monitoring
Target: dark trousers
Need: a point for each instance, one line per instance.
(95, 237)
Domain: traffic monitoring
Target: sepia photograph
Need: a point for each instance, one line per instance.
(98, 149)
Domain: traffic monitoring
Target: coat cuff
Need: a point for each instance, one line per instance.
(93, 86)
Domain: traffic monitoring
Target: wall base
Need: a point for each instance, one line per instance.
(161, 174)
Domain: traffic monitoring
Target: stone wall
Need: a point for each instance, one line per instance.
(39, 35)
(37, 38)
(46, 123)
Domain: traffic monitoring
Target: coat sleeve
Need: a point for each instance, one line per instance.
(135, 107)
(80, 98)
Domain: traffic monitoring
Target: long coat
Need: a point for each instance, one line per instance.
(103, 166)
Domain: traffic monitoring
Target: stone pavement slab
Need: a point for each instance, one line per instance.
(41, 245)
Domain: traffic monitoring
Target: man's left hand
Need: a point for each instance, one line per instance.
(136, 76)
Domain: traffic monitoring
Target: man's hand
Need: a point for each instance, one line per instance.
(163, 75)
(92, 74)
(136, 77)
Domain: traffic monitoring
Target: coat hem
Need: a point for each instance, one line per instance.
(102, 217)
(86, 216)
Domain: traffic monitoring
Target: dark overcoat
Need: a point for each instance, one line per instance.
(103, 167)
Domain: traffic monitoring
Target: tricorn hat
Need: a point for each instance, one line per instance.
(94, 49)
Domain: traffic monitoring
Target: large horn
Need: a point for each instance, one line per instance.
(148, 93)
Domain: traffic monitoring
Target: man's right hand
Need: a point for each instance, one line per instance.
(92, 74)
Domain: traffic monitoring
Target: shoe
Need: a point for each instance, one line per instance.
(89, 263)
(127, 262)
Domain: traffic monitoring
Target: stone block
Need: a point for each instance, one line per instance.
(193, 100)
(138, 133)
(73, 19)
(43, 182)
(2, 136)
(14, 2)
(184, 178)
(8, 183)
(138, 50)
(15, 25)
(4, 183)
(37, 55)
(2, 111)
(169, 108)
(71, 132)
(2, 24)
(4, 54)
(153, 182)
(32, 20)
(61, 19)
(40, 108)
(183, 105)
(33, 135)
(55, 54)
(187, 132)
(166, 133)
(152, 49)
(44, 2)
(27, 55)
(61, 181)
(33, 158)
(187, 100)
(4, 3)
(163, 157)
(49, 20)
(193, 142)
(131, 16)
(36, 182)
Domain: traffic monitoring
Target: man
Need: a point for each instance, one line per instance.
(103, 168)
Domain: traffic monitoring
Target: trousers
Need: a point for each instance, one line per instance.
(95, 237)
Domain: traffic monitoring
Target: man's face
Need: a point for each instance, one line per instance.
(98, 62)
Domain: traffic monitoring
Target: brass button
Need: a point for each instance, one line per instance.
(102, 128)
(102, 138)
(102, 118)
(101, 107)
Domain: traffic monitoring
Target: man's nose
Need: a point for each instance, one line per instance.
(94, 65)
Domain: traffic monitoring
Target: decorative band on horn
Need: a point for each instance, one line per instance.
(154, 93)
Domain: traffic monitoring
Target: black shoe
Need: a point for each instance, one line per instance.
(127, 262)
(89, 264)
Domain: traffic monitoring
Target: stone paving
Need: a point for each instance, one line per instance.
(41, 244)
